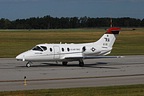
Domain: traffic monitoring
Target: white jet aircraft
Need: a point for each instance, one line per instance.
(72, 52)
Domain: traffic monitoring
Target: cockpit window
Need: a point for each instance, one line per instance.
(37, 48)
(44, 47)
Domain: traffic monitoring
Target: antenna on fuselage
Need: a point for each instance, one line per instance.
(111, 22)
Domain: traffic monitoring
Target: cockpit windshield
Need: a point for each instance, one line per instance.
(39, 48)
(44, 47)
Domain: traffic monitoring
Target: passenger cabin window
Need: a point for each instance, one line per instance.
(37, 48)
(51, 49)
(68, 49)
(62, 49)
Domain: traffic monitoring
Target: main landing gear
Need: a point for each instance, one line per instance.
(64, 63)
(81, 63)
(28, 64)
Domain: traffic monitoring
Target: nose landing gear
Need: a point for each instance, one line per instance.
(28, 64)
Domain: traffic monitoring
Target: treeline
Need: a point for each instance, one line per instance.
(48, 22)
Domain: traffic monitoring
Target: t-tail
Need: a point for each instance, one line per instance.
(108, 39)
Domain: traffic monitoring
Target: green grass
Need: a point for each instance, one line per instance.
(129, 90)
(13, 42)
(130, 43)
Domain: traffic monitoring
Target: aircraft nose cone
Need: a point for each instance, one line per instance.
(20, 57)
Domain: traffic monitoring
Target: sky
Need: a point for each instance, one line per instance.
(22, 9)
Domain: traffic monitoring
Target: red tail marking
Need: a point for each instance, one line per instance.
(113, 30)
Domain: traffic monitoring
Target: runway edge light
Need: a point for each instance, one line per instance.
(25, 81)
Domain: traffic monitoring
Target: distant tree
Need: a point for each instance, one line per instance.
(127, 22)
(5, 23)
(142, 23)
(74, 22)
(83, 21)
(48, 22)
(64, 22)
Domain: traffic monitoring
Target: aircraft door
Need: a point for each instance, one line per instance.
(56, 52)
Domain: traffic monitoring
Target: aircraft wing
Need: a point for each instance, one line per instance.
(92, 57)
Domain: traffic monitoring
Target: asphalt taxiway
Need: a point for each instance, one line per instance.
(96, 72)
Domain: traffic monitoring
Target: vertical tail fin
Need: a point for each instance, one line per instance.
(108, 39)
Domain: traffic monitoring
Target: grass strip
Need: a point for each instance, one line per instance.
(129, 90)
(13, 42)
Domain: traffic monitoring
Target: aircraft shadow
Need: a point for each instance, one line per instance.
(100, 65)
(95, 65)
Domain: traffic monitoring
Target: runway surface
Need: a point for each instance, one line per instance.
(96, 72)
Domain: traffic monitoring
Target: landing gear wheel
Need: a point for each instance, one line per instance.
(28, 64)
(64, 63)
(81, 63)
